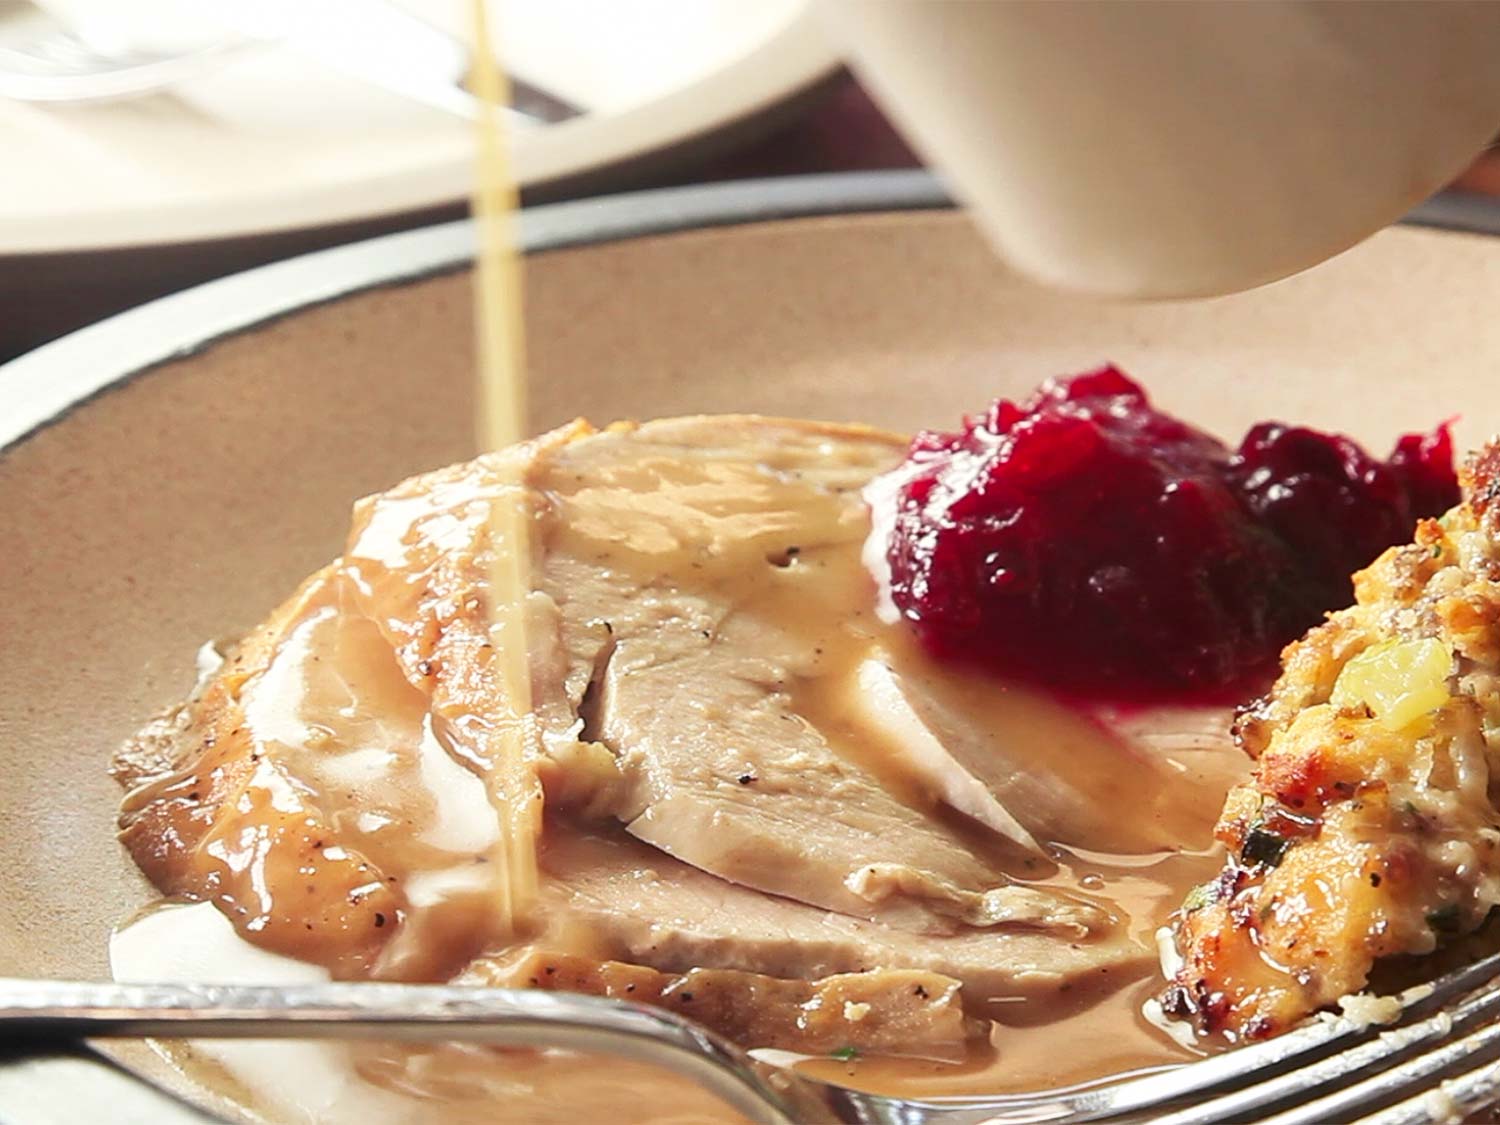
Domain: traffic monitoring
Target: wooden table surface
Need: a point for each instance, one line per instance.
(839, 129)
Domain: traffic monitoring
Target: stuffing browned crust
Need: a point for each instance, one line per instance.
(1365, 831)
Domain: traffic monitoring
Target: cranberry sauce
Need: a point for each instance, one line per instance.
(1089, 541)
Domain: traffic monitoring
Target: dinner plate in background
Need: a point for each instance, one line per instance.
(103, 206)
(174, 472)
(269, 141)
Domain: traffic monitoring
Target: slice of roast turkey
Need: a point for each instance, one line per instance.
(698, 606)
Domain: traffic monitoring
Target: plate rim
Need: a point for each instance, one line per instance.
(43, 385)
(795, 59)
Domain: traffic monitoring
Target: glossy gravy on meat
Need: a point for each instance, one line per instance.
(334, 713)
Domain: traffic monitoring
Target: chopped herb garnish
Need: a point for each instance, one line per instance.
(1199, 897)
(1263, 848)
(847, 1054)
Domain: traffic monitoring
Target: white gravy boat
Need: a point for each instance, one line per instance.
(1175, 149)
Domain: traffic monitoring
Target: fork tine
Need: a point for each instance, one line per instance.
(1254, 1068)
(1257, 1075)
(1372, 1054)
(1453, 1100)
(1415, 1074)
(39, 1012)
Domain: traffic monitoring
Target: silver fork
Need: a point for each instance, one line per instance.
(370, 40)
(1438, 1061)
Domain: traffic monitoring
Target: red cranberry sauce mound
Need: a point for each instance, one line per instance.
(1088, 541)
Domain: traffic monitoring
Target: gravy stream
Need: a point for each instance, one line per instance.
(501, 356)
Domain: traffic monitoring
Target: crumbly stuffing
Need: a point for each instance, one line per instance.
(1369, 828)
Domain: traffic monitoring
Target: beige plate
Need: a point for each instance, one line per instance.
(207, 475)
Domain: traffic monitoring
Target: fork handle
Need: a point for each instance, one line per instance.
(37, 1011)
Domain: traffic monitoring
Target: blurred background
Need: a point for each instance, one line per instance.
(148, 146)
